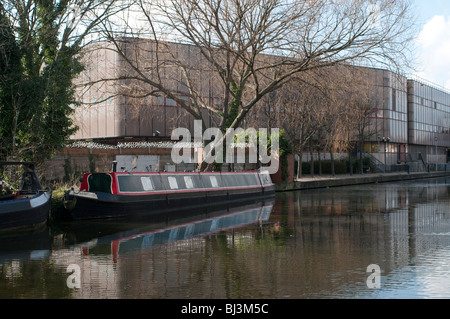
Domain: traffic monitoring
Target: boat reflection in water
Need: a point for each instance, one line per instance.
(164, 231)
(312, 244)
(102, 249)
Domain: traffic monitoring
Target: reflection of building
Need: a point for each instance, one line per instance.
(313, 245)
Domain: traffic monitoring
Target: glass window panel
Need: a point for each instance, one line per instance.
(394, 100)
(173, 182)
(213, 181)
(170, 102)
(266, 178)
(147, 184)
(185, 98)
(147, 100)
(158, 100)
(188, 181)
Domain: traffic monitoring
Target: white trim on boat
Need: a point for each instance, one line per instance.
(39, 200)
(87, 194)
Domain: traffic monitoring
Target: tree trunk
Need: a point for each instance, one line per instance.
(299, 165)
(361, 147)
(320, 161)
(332, 162)
(311, 152)
(350, 161)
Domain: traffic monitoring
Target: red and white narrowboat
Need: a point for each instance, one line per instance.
(104, 195)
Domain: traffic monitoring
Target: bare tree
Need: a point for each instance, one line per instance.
(347, 90)
(324, 109)
(362, 103)
(247, 49)
(296, 108)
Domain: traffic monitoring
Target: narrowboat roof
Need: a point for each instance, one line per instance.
(151, 182)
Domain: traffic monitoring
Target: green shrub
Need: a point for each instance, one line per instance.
(340, 166)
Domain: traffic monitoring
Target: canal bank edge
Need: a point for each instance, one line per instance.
(348, 180)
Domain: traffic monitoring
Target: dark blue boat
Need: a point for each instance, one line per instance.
(27, 207)
(117, 194)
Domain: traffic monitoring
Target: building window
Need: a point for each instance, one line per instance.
(158, 100)
(170, 102)
(185, 98)
(394, 100)
(110, 100)
(380, 113)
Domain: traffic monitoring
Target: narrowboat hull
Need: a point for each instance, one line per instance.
(132, 200)
(25, 212)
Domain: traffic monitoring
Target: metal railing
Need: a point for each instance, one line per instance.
(410, 162)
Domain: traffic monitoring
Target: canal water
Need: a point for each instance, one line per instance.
(362, 242)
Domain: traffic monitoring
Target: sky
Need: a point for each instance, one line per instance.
(433, 41)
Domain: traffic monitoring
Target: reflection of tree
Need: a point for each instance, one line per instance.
(228, 263)
(32, 279)
(234, 274)
(315, 244)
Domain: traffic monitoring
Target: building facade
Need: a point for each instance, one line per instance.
(114, 106)
(429, 121)
(409, 122)
(413, 125)
(388, 141)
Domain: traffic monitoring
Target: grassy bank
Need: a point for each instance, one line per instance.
(58, 191)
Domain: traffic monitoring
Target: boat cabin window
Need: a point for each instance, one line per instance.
(147, 184)
(242, 181)
(251, 180)
(100, 183)
(266, 178)
(173, 182)
(228, 180)
(139, 183)
(234, 180)
(213, 180)
(188, 181)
